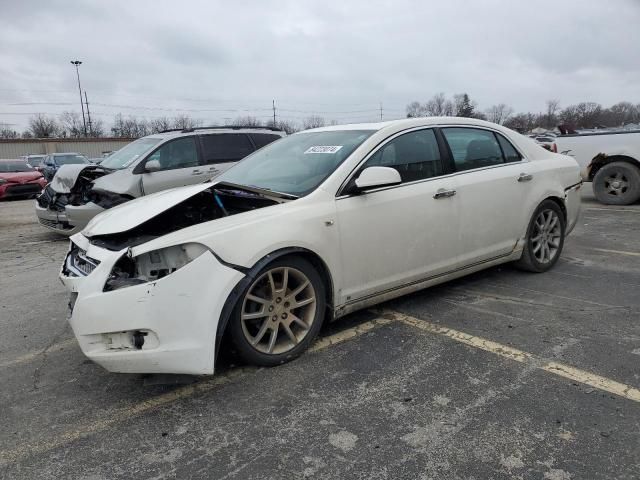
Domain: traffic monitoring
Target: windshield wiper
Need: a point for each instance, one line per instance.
(259, 190)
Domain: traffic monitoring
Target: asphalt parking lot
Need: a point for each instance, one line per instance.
(502, 374)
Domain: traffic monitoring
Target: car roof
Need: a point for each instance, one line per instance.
(65, 153)
(407, 123)
(216, 130)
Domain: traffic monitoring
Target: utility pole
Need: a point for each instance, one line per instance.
(88, 114)
(273, 102)
(84, 123)
(381, 116)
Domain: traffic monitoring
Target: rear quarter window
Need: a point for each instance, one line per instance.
(262, 139)
(225, 147)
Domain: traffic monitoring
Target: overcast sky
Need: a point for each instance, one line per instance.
(218, 60)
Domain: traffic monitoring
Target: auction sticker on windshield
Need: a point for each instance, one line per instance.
(323, 149)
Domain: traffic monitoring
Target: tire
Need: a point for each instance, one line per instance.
(267, 306)
(617, 183)
(545, 238)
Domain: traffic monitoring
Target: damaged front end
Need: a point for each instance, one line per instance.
(71, 199)
(145, 306)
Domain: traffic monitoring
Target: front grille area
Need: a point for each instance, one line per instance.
(46, 197)
(52, 200)
(78, 264)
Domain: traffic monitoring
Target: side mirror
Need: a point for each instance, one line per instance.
(152, 166)
(374, 177)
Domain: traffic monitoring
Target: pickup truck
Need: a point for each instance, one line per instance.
(610, 160)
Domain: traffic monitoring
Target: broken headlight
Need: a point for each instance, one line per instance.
(151, 266)
(105, 199)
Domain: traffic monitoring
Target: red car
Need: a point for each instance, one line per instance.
(18, 179)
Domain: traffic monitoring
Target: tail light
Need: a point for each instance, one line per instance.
(554, 148)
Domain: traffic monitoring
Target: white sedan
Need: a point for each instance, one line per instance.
(306, 230)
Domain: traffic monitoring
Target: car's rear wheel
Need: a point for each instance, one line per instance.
(545, 238)
(617, 183)
(280, 313)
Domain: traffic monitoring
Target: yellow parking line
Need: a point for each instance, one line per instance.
(348, 334)
(31, 355)
(566, 371)
(476, 342)
(613, 209)
(619, 252)
(593, 380)
(122, 414)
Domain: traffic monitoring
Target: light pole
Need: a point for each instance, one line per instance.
(84, 123)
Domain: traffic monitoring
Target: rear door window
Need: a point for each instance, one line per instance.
(510, 153)
(262, 139)
(473, 148)
(225, 147)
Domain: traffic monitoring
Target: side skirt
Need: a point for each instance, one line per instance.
(385, 295)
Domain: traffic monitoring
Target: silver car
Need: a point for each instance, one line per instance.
(150, 164)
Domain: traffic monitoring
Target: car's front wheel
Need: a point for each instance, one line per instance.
(545, 238)
(280, 313)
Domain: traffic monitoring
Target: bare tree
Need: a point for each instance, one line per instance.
(97, 129)
(287, 126)
(522, 122)
(313, 121)
(247, 121)
(499, 113)
(71, 124)
(185, 122)
(553, 107)
(438, 106)
(415, 109)
(129, 127)
(160, 124)
(42, 126)
(7, 132)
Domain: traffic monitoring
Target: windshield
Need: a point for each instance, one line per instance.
(70, 159)
(296, 164)
(35, 161)
(15, 167)
(129, 154)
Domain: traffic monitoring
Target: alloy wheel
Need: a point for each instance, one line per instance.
(278, 310)
(547, 234)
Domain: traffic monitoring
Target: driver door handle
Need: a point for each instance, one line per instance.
(443, 193)
(196, 172)
(525, 177)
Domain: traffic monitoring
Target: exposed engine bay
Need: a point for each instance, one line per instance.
(215, 202)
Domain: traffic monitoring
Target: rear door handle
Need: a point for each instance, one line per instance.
(196, 172)
(443, 193)
(525, 177)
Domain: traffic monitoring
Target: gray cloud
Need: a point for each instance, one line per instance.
(316, 56)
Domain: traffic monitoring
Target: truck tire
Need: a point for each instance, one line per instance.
(617, 183)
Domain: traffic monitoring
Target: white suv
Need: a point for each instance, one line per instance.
(156, 162)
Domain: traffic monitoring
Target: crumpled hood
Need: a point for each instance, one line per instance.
(67, 175)
(128, 215)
